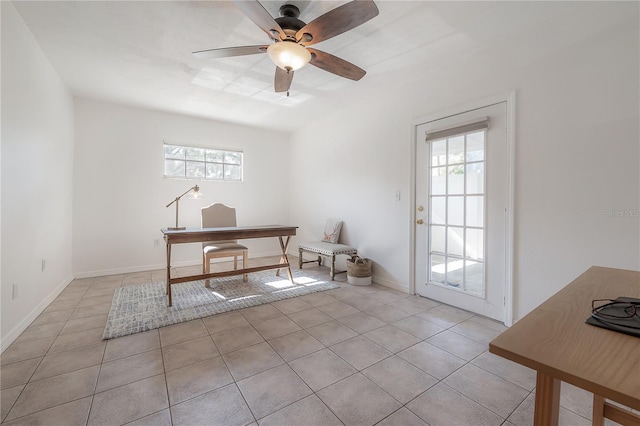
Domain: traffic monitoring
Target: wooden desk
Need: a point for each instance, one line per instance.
(198, 235)
(555, 341)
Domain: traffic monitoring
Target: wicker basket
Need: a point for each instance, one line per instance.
(358, 267)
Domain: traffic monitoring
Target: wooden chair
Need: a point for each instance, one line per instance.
(214, 216)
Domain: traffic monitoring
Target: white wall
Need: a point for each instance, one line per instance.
(37, 157)
(577, 149)
(577, 158)
(120, 193)
(349, 165)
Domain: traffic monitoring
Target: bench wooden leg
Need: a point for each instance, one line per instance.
(301, 261)
(333, 267)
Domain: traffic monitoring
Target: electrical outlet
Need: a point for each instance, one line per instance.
(14, 291)
(156, 242)
(398, 193)
(44, 264)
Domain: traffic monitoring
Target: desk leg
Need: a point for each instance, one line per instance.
(547, 406)
(598, 411)
(605, 410)
(283, 258)
(169, 271)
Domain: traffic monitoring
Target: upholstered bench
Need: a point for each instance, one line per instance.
(322, 248)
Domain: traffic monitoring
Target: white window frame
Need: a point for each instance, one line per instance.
(465, 226)
(205, 162)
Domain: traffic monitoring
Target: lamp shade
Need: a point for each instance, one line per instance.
(289, 55)
(195, 193)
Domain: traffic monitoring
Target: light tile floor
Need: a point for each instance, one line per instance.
(355, 356)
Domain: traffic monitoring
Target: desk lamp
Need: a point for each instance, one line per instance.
(195, 193)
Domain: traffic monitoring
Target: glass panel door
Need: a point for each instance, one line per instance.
(456, 213)
(461, 211)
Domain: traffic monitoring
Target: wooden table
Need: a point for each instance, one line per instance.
(555, 341)
(198, 235)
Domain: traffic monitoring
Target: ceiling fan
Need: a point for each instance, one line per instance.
(291, 37)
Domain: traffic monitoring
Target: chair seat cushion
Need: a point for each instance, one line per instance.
(327, 249)
(222, 247)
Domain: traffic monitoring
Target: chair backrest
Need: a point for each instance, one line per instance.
(217, 215)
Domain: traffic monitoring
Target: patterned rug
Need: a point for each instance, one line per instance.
(144, 307)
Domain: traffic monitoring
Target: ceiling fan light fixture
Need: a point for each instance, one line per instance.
(289, 55)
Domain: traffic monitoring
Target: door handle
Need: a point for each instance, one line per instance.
(419, 221)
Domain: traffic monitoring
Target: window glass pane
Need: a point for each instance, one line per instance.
(201, 163)
(475, 244)
(437, 239)
(455, 212)
(475, 211)
(173, 151)
(474, 277)
(215, 156)
(438, 182)
(214, 171)
(456, 150)
(475, 178)
(437, 272)
(439, 153)
(456, 234)
(455, 176)
(233, 157)
(455, 270)
(438, 206)
(195, 154)
(232, 172)
(195, 169)
(455, 241)
(174, 168)
(475, 146)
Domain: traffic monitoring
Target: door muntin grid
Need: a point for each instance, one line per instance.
(457, 212)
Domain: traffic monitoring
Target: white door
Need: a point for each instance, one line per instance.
(462, 184)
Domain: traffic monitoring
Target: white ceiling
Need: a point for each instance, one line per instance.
(139, 52)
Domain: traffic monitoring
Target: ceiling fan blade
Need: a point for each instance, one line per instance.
(337, 21)
(335, 65)
(227, 52)
(283, 79)
(259, 15)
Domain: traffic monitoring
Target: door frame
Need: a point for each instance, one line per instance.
(510, 99)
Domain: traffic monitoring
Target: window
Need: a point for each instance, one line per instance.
(456, 221)
(202, 163)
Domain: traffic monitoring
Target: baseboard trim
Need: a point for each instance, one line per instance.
(388, 283)
(35, 312)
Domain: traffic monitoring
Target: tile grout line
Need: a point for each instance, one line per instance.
(166, 384)
(342, 300)
(39, 363)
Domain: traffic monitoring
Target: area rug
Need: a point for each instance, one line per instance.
(144, 307)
